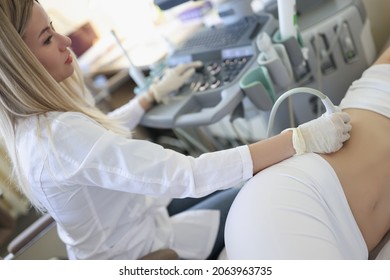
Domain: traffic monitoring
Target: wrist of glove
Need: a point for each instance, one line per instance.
(325, 134)
(173, 79)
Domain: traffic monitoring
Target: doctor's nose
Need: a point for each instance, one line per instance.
(64, 42)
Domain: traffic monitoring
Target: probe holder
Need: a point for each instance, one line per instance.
(293, 47)
(279, 68)
(257, 85)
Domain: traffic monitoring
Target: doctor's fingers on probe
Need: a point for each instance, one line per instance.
(345, 137)
(341, 119)
(345, 117)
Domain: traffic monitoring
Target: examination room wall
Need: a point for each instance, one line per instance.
(378, 13)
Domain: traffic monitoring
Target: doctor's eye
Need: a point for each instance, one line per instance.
(48, 40)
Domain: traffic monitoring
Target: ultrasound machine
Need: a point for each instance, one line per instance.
(333, 47)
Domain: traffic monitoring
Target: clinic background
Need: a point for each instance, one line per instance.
(144, 22)
(148, 34)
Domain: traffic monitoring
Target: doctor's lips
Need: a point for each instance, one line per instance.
(69, 60)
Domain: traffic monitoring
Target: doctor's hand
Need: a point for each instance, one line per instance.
(325, 134)
(173, 79)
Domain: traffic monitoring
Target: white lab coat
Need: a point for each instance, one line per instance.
(103, 189)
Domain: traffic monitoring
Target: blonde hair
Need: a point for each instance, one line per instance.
(27, 89)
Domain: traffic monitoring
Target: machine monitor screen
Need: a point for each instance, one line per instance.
(167, 4)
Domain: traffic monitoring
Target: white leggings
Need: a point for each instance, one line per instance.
(293, 210)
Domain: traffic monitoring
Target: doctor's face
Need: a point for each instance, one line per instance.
(50, 48)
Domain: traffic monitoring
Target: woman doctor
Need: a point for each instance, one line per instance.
(82, 167)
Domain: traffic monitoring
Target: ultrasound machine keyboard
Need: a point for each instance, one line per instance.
(227, 52)
(224, 50)
(215, 74)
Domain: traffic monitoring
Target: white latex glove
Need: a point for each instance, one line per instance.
(325, 134)
(173, 79)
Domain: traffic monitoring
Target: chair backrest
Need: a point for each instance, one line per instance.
(45, 226)
(163, 254)
(7, 226)
(40, 233)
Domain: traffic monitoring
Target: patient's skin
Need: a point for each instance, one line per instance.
(363, 168)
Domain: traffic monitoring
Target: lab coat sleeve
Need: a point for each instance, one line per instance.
(94, 156)
(129, 114)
